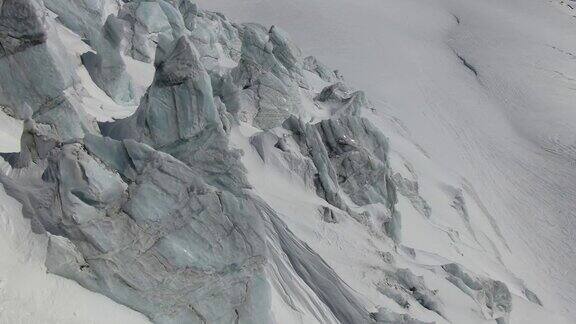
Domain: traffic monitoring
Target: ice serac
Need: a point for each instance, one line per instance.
(493, 296)
(409, 189)
(37, 80)
(84, 17)
(96, 22)
(22, 25)
(147, 24)
(107, 67)
(404, 288)
(179, 115)
(35, 144)
(216, 38)
(133, 223)
(269, 76)
(342, 100)
(143, 228)
(353, 172)
(177, 106)
(312, 64)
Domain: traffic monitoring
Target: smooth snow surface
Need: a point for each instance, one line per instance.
(488, 91)
(9, 133)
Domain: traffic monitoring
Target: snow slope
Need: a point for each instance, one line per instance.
(10, 133)
(485, 88)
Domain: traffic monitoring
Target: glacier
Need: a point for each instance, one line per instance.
(163, 163)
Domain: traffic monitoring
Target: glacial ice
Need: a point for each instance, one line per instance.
(156, 210)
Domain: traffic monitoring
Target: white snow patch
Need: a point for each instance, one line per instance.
(10, 133)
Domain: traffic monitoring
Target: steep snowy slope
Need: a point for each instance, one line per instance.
(486, 88)
(198, 170)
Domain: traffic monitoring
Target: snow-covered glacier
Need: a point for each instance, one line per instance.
(163, 163)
